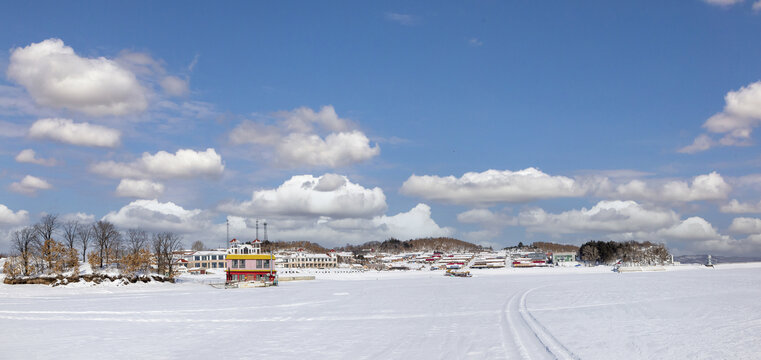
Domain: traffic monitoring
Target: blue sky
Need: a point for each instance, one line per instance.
(344, 122)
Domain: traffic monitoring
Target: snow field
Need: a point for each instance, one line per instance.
(497, 314)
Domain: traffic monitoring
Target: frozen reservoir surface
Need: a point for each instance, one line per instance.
(687, 312)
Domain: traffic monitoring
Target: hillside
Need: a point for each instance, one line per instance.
(425, 244)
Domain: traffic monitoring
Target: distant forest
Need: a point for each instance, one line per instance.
(388, 246)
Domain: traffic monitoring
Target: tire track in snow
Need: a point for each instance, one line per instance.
(544, 338)
(508, 320)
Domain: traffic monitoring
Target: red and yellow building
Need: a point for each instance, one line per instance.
(246, 262)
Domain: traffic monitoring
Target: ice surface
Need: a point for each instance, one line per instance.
(697, 313)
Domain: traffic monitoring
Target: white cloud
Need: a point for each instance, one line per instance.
(404, 19)
(335, 150)
(745, 225)
(305, 137)
(153, 215)
(415, 223)
(757, 5)
(703, 187)
(29, 185)
(174, 86)
(605, 217)
(55, 76)
(68, 132)
(185, 163)
(29, 156)
(723, 2)
(701, 143)
(8, 217)
(486, 218)
(693, 229)
(736, 207)
(145, 189)
(81, 217)
(330, 195)
(742, 113)
(494, 186)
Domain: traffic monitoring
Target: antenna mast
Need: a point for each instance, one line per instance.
(257, 229)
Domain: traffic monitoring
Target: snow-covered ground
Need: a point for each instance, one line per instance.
(688, 312)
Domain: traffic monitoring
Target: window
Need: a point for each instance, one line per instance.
(197, 258)
(266, 264)
(242, 264)
(235, 264)
(258, 264)
(222, 264)
(214, 265)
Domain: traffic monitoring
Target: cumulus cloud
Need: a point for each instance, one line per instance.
(29, 156)
(69, 132)
(330, 195)
(757, 6)
(185, 163)
(703, 187)
(145, 189)
(29, 185)
(9, 217)
(494, 186)
(153, 215)
(745, 225)
(307, 137)
(742, 113)
(55, 76)
(736, 207)
(415, 223)
(605, 217)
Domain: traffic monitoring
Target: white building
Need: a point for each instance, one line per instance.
(302, 260)
(212, 259)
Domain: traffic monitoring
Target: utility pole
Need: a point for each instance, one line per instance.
(227, 243)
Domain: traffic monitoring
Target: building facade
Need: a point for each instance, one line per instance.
(246, 262)
(302, 260)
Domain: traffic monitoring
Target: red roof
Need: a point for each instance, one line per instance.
(233, 240)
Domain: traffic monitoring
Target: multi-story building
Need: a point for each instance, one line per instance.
(246, 262)
(301, 260)
(209, 260)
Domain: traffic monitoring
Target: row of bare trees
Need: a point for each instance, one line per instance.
(35, 251)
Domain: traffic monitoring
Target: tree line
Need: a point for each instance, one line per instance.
(35, 250)
(628, 252)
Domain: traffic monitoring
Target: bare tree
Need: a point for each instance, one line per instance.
(137, 240)
(70, 233)
(198, 245)
(47, 227)
(106, 239)
(85, 236)
(24, 242)
(164, 246)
